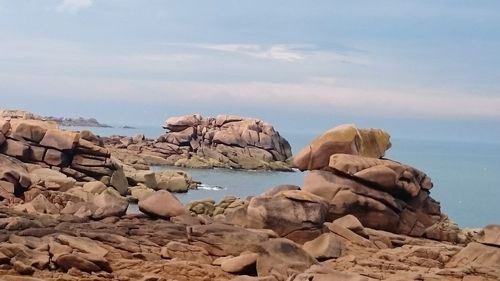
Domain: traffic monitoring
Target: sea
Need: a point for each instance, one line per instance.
(466, 174)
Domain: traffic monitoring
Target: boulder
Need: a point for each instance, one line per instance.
(490, 235)
(282, 259)
(162, 204)
(327, 246)
(297, 215)
(109, 203)
(393, 208)
(39, 205)
(173, 181)
(60, 140)
(52, 179)
(94, 187)
(14, 172)
(243, 263)
(345, 139)
(141, 192)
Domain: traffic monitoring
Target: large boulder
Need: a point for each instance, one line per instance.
(382, 194)
(162, 204)
(297, 215)
(14, 172)
(346, 139)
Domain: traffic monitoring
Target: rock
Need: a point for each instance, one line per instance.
(376, 208)
(327, 246)
(31, 130)
(94, 187)
(297, 215)
(203, 142)
(119, 181)
(352, 223)
(23, 269)
(52, 179)
(186, 252)
(109, 204)
(173, 181)
(17, 149)
(277, 189)
(68, 261)
(135, 177)
(202, 207)
(225, 240)
(322, 273)
(141, 192)
(241, 264)
(477, 255)
(38, 205)
(345, 139)
(83, 244)
(60, 140)
(282, 258)
(490, 235)
(15, 172)
(162, 204)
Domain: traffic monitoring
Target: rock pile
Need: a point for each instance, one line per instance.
(206, 142)
(347, 172)
(70, 153)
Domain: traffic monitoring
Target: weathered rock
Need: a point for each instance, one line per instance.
(52, 179)
(241, 264)
(477, 255)
(327, 246)
(346, 139)
(162, 204)
(15, 172)
(94, 187)
(490, 235)
(186, 252)
(60, 140)
(282, 258)
(297, 215)
(173, 181)
(38, 205)
(109, 204)
(322, 273)
(373, 206)
(140, 192)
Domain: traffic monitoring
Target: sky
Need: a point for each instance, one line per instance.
(427, 68)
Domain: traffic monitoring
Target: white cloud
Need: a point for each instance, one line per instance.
(276, 52)
(314, 95)
(74, 6)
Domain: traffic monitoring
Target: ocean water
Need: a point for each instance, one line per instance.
(466, 175)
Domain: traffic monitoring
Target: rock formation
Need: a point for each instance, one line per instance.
(348, 172)
(205, 142)
(62, 121)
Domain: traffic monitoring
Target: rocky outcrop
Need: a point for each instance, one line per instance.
(136, 247)
(42, 143)
(206, 142)
(62, 121)
(348, 172)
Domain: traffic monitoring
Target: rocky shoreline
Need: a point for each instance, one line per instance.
(358, 216)
(61, 121)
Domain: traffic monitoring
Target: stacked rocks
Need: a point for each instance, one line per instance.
(347, 170)
(71, 153)
(224, 141)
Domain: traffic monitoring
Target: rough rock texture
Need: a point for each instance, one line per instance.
(42, 143)
(383, 194)
(207, 142)
(36, 246)
(345, 139)
(293, 214)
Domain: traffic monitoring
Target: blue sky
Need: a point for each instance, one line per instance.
(421, 67)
